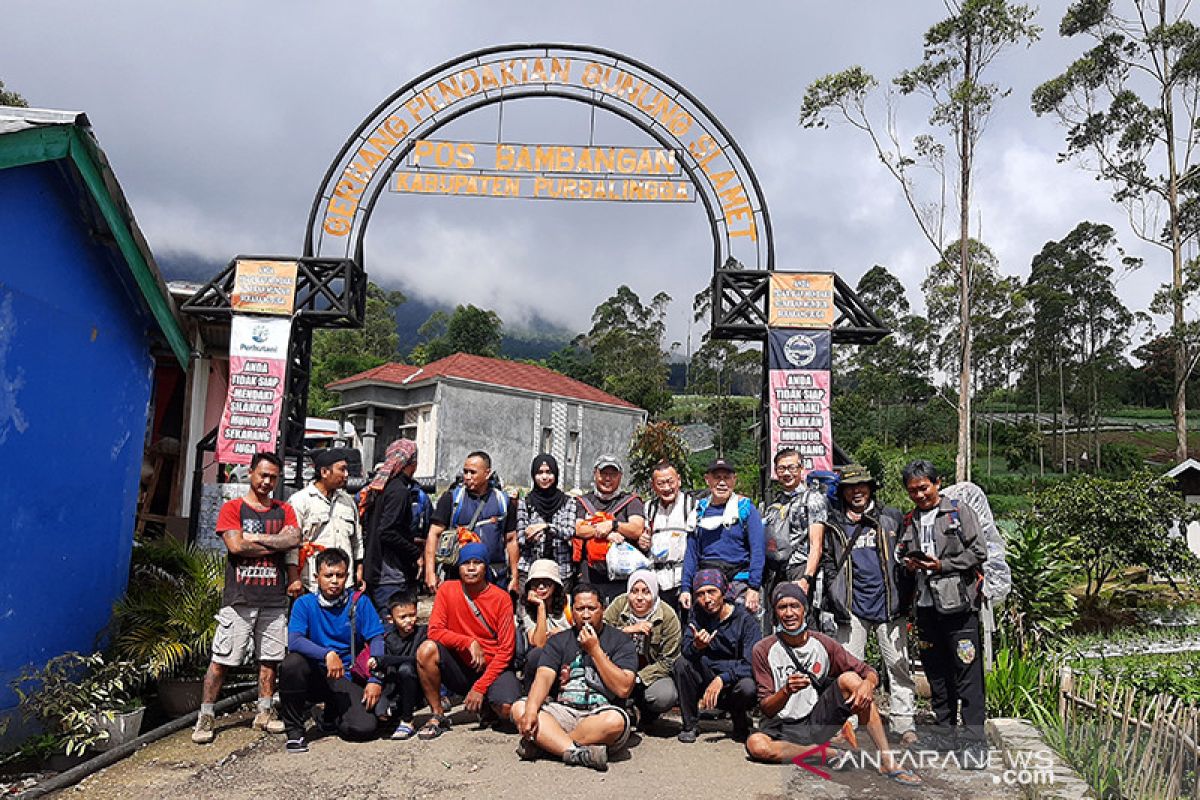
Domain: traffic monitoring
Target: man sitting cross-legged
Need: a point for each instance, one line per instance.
(587, 674)
(470, 644)
(808, 686)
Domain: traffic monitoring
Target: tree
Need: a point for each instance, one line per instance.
(720, 368)
(958, 52)
(652, 443)
(1118, 524)
(11, 98)
(1129, 105)
(340, 353)
(468, 330)
(1076, 274)
(625, 346)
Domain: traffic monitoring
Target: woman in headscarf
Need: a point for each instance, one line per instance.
(657, 633)
(546, 523)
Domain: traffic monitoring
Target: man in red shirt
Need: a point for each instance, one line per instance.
(470, 644)
(258, 531)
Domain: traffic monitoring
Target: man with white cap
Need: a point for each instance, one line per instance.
(606, 517)
(656, 632)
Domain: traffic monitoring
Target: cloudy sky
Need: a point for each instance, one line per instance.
(221, 117)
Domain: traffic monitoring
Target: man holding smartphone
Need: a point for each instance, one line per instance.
(942, 545)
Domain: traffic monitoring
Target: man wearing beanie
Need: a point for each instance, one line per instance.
(714, 670)
(470, 644)
(808, 686)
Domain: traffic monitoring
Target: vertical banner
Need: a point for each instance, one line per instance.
(799, 364)
(258, 353)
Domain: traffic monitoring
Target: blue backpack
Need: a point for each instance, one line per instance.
(422, 511)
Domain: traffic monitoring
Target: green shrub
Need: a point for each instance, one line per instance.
(1039, 609)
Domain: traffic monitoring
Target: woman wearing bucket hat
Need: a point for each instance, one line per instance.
(544, 612)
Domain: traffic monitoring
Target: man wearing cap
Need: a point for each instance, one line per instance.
(865, 583)
(392, 553)
(328, 519)
(808, 686)
(575, 709)
(728, 537)
(606, 516)
(470, 644)
(714, 669)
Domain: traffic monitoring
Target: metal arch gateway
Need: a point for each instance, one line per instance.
(673, 116)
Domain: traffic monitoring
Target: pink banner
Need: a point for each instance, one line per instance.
(257, 368)
(799, 415)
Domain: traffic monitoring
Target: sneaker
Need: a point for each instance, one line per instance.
(688, 735)
(268, 721)
(203, 732)
(527, 750)
(299, 745)
(592, 755)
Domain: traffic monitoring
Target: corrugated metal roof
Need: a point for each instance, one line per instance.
(15, 118)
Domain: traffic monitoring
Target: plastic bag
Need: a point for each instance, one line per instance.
(623, 560)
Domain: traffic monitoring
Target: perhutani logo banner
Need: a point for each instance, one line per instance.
(799, 385)
(258, 350)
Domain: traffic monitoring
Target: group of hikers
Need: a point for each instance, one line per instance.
(577, 619)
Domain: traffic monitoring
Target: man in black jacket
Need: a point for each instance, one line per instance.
(392, 554)
(714, 669)
(866, 583)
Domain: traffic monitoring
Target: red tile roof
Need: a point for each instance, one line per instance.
(481, 369)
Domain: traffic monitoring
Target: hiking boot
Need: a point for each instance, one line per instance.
(203, 732)
(527, 750)
(688, 735)
(592, 755)
(297, 745)
(268, 721)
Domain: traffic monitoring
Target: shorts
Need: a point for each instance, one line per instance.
(825, 720)
(459, 678)
(240, 626)
(568, 717)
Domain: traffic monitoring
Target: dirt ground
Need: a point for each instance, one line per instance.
(470, 762)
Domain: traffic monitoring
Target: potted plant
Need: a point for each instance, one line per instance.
(87, 702)
(168, 616)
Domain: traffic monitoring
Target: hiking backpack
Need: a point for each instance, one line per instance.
(997, 577)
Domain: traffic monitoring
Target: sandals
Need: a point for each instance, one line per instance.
(434, 727)
(403, 731)
(904, 777)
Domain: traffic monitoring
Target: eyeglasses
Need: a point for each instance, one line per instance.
(788, 468)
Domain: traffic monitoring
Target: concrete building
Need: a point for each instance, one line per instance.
(465, 402)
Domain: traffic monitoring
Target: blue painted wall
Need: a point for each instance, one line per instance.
(75, 380)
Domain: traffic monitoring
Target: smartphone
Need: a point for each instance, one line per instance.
(919, 555)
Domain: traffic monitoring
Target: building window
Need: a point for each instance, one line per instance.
(547, 440)
(573, 448)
